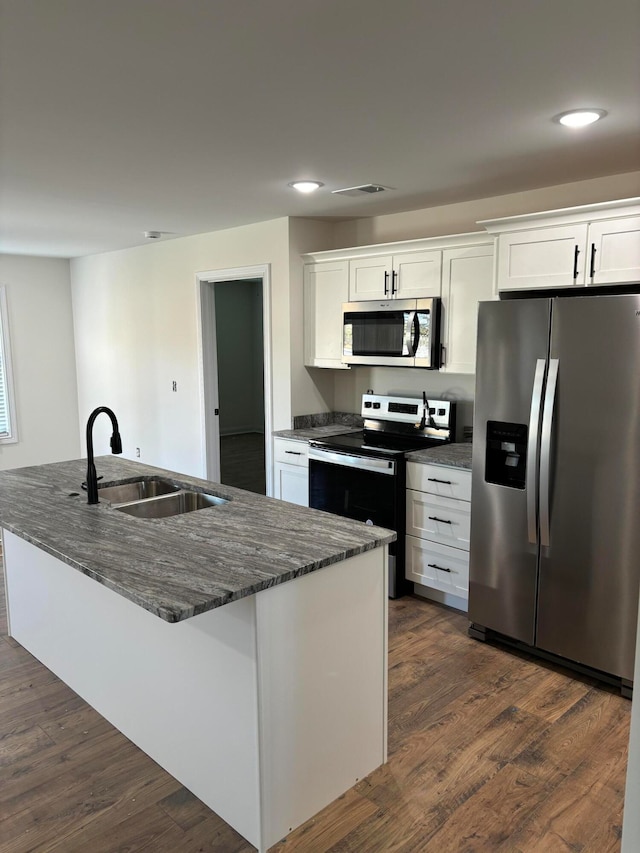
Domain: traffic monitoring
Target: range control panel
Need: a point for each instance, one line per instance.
(406, 410)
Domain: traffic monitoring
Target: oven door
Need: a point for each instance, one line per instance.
(366, 489)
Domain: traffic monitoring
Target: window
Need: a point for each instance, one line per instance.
(8, 432)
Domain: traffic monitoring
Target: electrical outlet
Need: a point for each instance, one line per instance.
(174, 385)
(138, 452)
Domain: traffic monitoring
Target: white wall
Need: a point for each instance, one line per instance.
(136, 320)
(311, 387)
(137, 331)
(42, 348)
(464, 216)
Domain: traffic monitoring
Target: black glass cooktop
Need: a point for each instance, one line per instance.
(371, 443)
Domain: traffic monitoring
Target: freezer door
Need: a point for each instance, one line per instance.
(590, 568)
(513, 341)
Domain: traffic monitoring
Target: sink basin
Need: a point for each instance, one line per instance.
(171, 504)
(136, 490)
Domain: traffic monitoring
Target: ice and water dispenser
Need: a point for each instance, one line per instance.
(506, 459)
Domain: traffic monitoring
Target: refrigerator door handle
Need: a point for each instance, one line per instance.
(545, 451)
(532, 450)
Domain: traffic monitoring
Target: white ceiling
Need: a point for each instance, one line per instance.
(186, 116)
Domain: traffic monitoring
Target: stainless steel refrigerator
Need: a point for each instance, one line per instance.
(555, 521)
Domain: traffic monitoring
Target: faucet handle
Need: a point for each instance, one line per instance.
(83, 485)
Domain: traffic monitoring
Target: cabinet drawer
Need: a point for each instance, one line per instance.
(439, 519)
(438, 480)
(437, 566)
(291, 452)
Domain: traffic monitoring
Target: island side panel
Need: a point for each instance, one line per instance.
(185, 693)
(322, 670)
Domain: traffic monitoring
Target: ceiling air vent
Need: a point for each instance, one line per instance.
(366, 189)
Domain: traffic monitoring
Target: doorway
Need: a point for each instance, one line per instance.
(240, 383)
(235, 360)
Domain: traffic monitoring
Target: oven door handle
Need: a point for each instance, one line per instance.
(363, 463)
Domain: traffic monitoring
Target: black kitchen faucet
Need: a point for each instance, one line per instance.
(116, 447)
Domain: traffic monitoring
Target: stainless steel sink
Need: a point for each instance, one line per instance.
(171, 504)
(136, 490)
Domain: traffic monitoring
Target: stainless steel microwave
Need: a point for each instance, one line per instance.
(397, 333)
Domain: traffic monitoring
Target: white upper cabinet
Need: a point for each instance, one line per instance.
(458, 268)
(614, 247)
(467, 279)
(588, 245)
(546, 257)
(370, 278)
(414, 275)
(326, 287)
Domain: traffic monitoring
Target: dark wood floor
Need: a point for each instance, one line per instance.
(488, 753)
(242, 461)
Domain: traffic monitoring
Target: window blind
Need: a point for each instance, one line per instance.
(7, 426)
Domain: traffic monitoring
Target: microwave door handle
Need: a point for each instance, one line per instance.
(412, 340)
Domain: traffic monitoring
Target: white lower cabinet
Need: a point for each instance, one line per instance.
(438, 521)
(291, 471)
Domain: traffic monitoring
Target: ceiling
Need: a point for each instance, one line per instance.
(187, 116)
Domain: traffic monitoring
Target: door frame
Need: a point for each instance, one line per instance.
(208, 365)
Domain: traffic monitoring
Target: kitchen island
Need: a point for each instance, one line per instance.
(242, 646)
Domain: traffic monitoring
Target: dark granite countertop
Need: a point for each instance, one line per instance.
(309, 433)
(321, 425)
(451, 455)
(184, 565)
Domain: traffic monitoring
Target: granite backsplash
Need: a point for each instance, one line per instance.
(326, 418)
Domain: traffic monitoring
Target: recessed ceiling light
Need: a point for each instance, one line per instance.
(579, 118)
(306, 186)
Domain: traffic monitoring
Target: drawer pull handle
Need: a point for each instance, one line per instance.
(435, 480)
(439, 568)
(294, 452)
(441, 520)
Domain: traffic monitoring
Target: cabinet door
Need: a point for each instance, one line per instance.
(370, 278)
(614, 251)
(326, 287)
(467, 279)
(543, 257)
(417, 275)
(291, 483)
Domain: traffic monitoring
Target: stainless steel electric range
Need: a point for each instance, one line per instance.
(362, 475)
